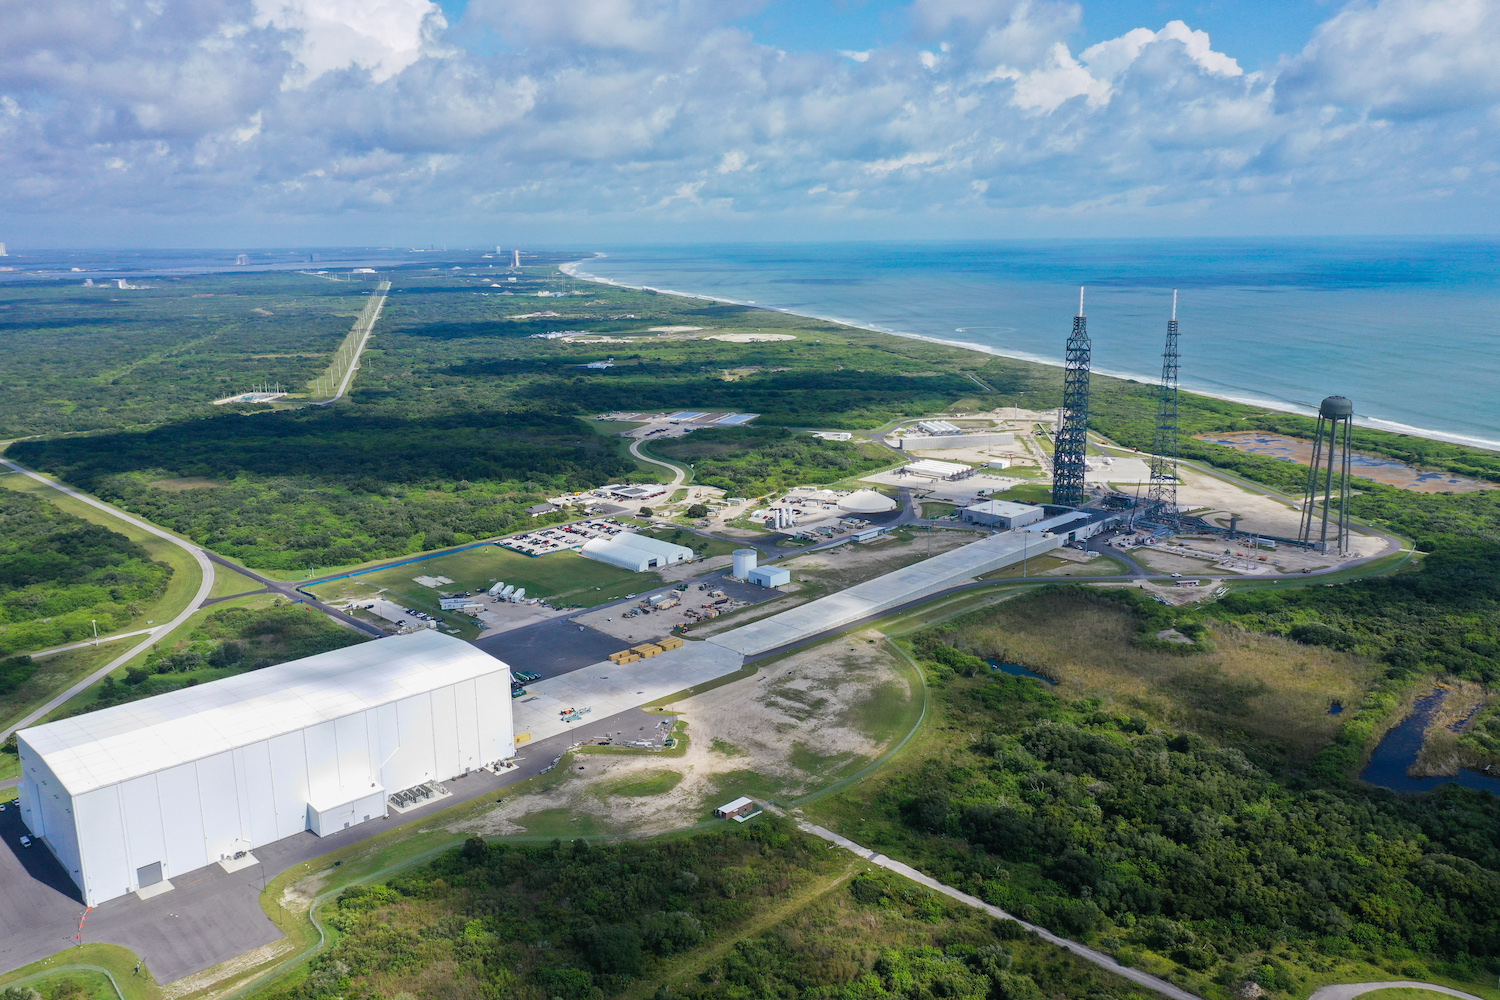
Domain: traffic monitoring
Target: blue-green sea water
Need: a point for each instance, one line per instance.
(1405, 328)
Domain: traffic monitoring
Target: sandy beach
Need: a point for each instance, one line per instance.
(575, 269)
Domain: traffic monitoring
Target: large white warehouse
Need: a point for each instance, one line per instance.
(637, 553)
(129, 796)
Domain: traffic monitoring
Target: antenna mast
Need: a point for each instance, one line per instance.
(1071, 445)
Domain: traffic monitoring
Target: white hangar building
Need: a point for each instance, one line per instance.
(637, 553)
(129, 796)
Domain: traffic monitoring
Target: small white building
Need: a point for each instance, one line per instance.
(131, 796)
(769, 576)
(1003, 514)
(933, 469)
(637, 553)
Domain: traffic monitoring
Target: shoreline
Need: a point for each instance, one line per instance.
(572, 270)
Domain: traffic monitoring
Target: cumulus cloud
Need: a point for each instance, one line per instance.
(1402, 57)
(380, 36)
(664, 110)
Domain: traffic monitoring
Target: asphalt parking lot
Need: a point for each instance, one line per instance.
(560, 645)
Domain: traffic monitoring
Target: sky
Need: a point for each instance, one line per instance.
(359, 122)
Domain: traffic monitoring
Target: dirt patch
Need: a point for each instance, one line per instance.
(1381, 470)
(751, 338)
(185, 483)
(845, 565)
(800, 724)
(231, 969)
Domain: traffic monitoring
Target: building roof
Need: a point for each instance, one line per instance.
(115, 744)
(738, 803)
(932, 467)
(628, 543)
(1002, 508)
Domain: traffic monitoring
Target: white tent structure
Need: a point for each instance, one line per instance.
(638, 553)
(129, 796)
(866, 502)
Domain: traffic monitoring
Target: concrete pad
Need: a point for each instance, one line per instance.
(232, 865)
(152, 891)
(874, 596)
(608, 688)
(1120, 470)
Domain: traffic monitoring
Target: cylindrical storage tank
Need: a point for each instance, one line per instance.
(744, 562)
(1336, 406)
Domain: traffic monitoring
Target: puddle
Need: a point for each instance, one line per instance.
(1399, 748)
(1019, 671)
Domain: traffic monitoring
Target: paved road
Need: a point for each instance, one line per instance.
(291, 592)
(1347, 991)
(90, 642)
(1081, 950)
(367, 318)
(204, 587)
(678, 476)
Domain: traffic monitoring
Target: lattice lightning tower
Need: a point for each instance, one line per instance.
(1072, 437)
(1161, 499)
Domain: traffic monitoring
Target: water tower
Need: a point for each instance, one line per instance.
(1325, 507)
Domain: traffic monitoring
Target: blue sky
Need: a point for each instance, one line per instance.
(349, 121)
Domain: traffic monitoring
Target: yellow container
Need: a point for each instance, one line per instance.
(670, 642)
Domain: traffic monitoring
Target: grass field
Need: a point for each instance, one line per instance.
(642, 784)
(935, 510)
(55, 673)
(1025, 492)
(228, 583)
(561, 577)
(185, 572)
(705, 547)
(1263, 693)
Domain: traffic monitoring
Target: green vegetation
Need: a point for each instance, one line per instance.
(47, 676)
(760, 910)
(1023, 493)
(643, 784)
(935, 510)
(565, 577)
(1178, 856)
(222, 643)
(59, 574)
(333, 487)
(701, 545)
(1265, 696)
(753, 461)
(88, 359)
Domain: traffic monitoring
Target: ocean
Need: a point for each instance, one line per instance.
(1406, 328)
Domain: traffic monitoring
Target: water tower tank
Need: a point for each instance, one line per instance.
(1336, 406)
(744, 562)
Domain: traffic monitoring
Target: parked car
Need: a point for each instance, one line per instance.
(25, 840)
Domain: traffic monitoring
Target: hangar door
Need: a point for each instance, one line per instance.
(149, 875)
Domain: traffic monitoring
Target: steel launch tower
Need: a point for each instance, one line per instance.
(1072, 437)
(1161, 497)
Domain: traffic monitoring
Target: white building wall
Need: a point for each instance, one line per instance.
(192, 814)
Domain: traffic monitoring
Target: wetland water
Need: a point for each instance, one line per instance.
(1019, 671)
(1399, 748)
